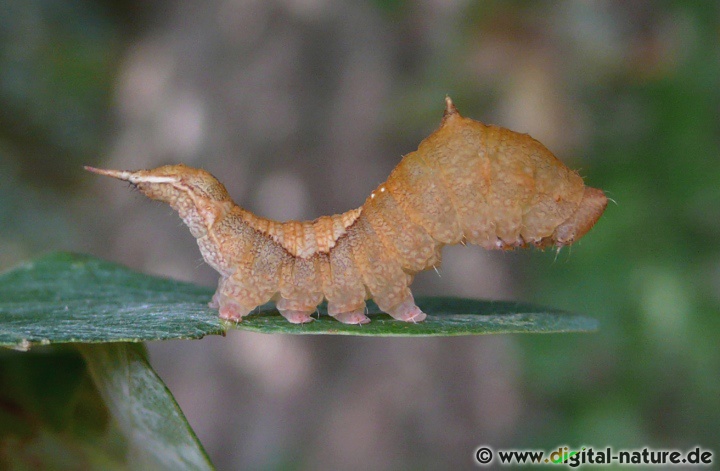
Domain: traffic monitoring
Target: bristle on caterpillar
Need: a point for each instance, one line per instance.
(466, 183)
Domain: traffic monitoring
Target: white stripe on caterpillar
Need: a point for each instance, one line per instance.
(467, 182)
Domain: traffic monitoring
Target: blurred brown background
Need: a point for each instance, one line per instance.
(301, 107)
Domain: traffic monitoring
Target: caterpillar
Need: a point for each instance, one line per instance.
(466, 183)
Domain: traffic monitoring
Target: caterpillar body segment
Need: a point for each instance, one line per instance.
(467, 182)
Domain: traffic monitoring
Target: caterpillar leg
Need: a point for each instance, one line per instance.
(215, 301)
(232, 310)
(293, 313)
(352, 316)
(232, 300)
(297, 317)
(407, 311)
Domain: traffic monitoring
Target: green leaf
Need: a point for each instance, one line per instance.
(56, 406)
(66, 297)
(51, 415)
(446, 317)
(158, 434)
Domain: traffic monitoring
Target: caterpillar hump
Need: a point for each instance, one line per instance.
(466, 182)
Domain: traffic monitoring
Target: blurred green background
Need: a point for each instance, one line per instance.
(302, 107)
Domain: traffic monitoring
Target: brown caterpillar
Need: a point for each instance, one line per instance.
(467, 182)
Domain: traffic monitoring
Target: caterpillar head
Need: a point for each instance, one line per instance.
(583, 219)
(195, 194)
